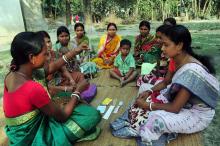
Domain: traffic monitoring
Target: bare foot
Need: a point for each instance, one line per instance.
(124, 82)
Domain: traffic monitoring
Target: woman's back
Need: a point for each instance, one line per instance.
(22, 97)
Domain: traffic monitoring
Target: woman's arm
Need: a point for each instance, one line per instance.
(62, 114)
(129, 72)
(67, 74)
(162, 85)
(57, 112)
(54, 66)
(175, 106)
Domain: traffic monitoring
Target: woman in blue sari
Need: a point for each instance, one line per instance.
(188, 99)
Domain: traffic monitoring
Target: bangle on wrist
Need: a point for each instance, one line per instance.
(150, 91)
(65, 58)
(76, 95)
(77, 92)
(151, 106)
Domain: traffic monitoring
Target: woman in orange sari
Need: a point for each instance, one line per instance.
(108, 48)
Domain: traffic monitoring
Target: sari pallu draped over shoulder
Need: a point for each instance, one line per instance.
(35, 129)
(199, 82)
(144, 44)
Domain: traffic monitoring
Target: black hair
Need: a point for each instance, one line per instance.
(112, 24)
(60, 30)
(24, 44)
(125, 42)
(170, 20)
(79, 25)
(163, 28)
(180, 34)
(144, 23)
(44, 33)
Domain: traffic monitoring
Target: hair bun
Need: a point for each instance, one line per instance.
(13, 67)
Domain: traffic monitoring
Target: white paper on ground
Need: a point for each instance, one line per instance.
(108, 113)
(101, 108)
(119, 105)
(116, 109)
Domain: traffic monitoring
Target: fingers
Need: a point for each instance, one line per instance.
(84, 46)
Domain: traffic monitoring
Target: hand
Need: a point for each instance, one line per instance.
(82, 86)
(82, 47)
(143, 95)
(123, 78)
(72, 82)
(106, 61)
(70, 88)
(141, 103)
(83, 101)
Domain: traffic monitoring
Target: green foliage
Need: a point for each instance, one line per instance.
(142, 9)
(76, 7)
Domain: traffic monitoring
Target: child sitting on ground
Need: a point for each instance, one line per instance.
(124, 64)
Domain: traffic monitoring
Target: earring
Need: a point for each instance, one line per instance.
(33, 61)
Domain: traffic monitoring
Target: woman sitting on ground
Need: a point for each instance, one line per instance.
(108, 48)
(32, 118)
(62, 80)
(143, 47)
(79, 39)
(64, 45)
(187, 103)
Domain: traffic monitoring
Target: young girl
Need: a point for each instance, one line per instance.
(64, 45)
(32, 118)
(79, 39)
(189, 101)
(108, 47)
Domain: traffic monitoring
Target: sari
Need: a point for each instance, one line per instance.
(108, 48)
(195, 116)
(147, 49)
(34, 128)
(82, 56)
(29, 126)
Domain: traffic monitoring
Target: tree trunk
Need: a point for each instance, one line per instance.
(87, 11)
(68, 13)
(205, 7)
(136, 8)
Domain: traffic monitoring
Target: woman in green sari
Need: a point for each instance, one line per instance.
(32, 118)
(146, 49)
(79, 39)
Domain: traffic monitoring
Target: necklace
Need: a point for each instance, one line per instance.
(182, 63)
(23, 75)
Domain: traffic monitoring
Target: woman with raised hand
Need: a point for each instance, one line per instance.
(32, 118)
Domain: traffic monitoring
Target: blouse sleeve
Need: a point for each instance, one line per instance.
(40, 96)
